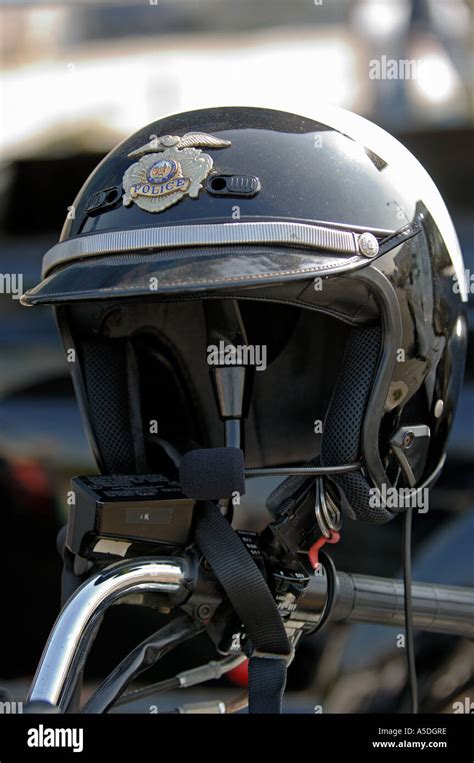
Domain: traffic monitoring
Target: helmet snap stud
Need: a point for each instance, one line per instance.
(368, 245)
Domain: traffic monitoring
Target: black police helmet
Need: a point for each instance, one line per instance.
(341, 264)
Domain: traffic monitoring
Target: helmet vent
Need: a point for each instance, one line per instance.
(233, 185)
(103, 200)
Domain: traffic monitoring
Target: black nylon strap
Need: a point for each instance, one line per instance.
(253, 602)
(267, 681)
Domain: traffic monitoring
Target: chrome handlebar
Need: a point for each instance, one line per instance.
(440, 609)
(368, 599)
(73, 632)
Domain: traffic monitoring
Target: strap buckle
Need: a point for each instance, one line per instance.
(287, 658)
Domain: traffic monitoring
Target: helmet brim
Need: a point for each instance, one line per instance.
(185, 270)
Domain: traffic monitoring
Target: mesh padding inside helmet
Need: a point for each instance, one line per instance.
(344, 419)
(105, 378)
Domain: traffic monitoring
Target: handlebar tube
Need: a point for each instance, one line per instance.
(439, 609)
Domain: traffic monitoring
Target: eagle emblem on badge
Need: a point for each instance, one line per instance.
(170, 168)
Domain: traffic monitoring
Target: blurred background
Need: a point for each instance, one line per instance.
(78, 77)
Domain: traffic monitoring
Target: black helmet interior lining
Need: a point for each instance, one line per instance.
(174, 389)
(143, 366)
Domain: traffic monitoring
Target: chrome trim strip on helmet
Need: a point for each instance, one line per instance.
(211, 234)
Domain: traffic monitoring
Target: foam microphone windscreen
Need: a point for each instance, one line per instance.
(207, 474)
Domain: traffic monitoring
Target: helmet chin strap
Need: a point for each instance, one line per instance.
(267, 645)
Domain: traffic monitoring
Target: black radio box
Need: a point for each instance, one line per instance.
(142, 507)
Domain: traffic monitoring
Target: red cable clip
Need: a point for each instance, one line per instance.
(314, 550)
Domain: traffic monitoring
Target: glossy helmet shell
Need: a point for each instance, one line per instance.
(329, 215)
